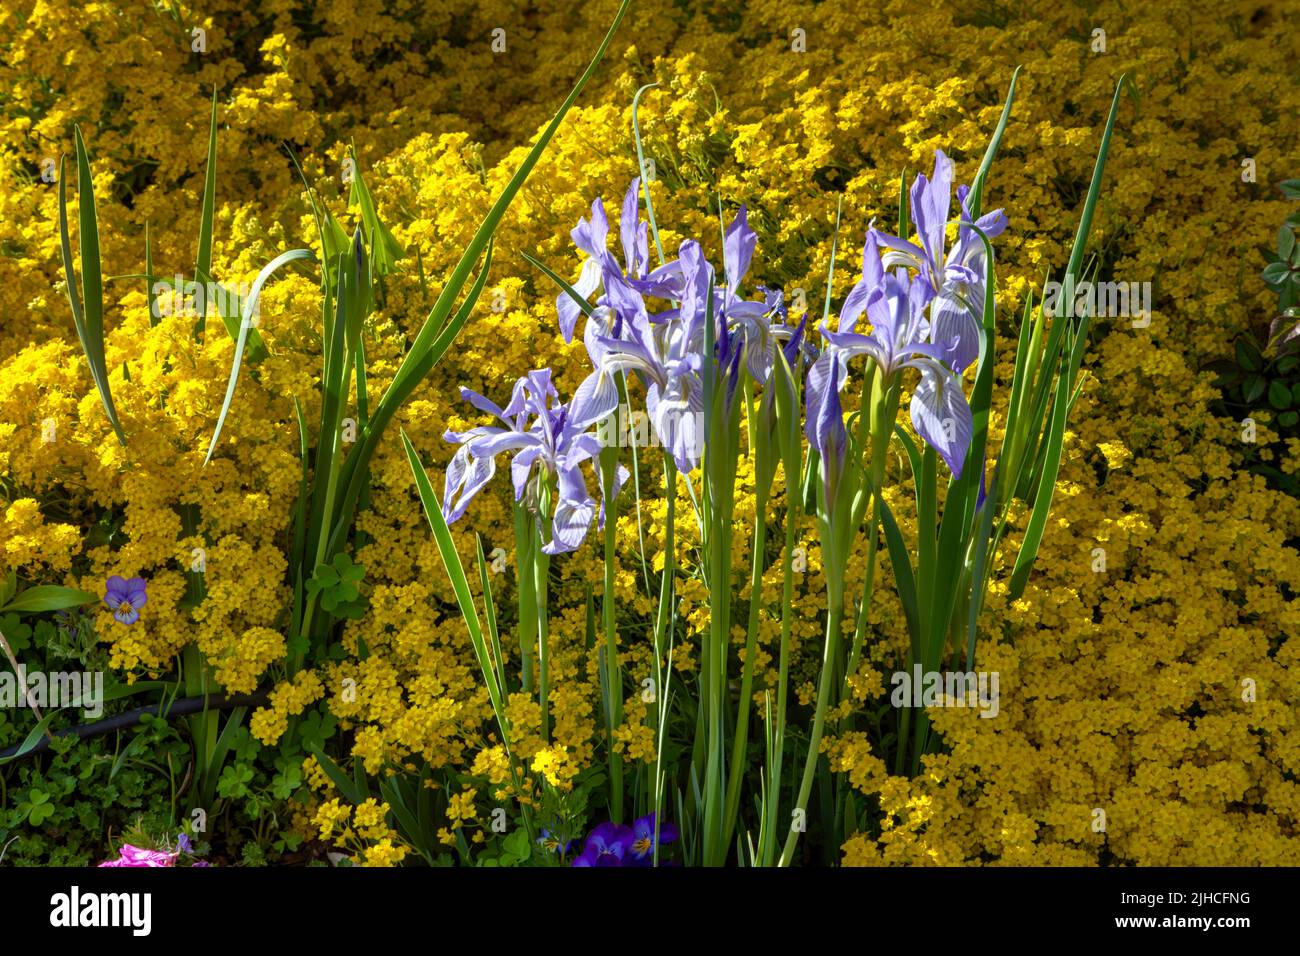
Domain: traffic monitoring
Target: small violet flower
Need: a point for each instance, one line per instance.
(607, 845)
(643, 837)
(612, 844)
(552, 844)
(125, 597)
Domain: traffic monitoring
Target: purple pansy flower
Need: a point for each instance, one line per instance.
(609, 844)
(641, 852)
(125, 597)
(612, 844)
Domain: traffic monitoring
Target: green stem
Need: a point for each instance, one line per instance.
(741, 740)
(880, 409)
(834, 620)
(203, 725)
(868, 588)
(720, 509)
(613, 673)
(666, 582)
(663, 618)
(541, 568)
(525, 537)
(768, 853)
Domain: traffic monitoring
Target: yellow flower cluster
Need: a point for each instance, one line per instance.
(288, 699)
(363, 829)
(30, 541)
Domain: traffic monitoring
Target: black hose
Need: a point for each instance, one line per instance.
(129, 718)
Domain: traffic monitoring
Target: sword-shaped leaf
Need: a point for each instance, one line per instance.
(88, 308)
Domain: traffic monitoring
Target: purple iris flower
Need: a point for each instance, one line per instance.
(661, 353)
(609, 844)
(957, 278)
(797, 346)
(753, 321)
(929, 201)
(665, 349)
(730, 350)
(601, 270)
(899, 338)
(544, 435)
(641, 852)
(824, 422)
(183, 844)
(125, 597)
(797, 343)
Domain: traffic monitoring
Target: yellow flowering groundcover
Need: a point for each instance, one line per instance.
(392, 703)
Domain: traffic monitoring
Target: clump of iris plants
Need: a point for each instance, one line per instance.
(721, 372)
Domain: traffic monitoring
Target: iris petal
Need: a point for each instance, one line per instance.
(941, 415)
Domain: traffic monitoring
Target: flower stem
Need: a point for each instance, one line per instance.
(666, 581)
(541, 573)
(720, 513)
(663, 619)
(738, 762)
(525, 538)
(768, 850)
(613, 673)
(834, 620)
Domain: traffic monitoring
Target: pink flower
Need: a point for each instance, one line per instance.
(135, 856)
